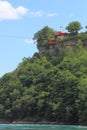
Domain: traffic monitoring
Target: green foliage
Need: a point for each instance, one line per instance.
(48, 88)
(43, 35)
(74, 27)
(82, 87)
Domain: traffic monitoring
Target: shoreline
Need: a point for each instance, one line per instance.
(39, 122)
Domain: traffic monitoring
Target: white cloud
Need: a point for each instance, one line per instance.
(51, 14)
(7, 11)
(36, 14)
(40, 13)
(29, 41)
(21, 10)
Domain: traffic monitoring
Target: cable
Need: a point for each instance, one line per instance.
(16, 37)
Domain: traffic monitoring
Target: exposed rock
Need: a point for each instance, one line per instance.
(53, 49)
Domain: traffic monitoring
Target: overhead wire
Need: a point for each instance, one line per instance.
(14, 36)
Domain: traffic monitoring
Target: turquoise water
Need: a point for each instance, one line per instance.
(39, 127)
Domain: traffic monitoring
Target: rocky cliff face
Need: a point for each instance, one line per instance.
(53, 49)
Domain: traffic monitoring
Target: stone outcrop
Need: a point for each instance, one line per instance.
(53, 49)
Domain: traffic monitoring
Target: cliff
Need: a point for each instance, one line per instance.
(60, 46)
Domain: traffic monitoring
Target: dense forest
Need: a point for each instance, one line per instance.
(51, 89)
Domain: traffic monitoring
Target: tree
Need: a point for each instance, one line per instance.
(86, 27)
(74, 27)
(82, 100)
(42, 36)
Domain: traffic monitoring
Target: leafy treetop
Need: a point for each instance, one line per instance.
(74, 27)
(43, 35)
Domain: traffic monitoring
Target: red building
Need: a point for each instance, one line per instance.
(58, 37)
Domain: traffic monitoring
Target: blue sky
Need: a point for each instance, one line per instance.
(21, 19)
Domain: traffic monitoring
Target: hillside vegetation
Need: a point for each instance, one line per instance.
(52, 89)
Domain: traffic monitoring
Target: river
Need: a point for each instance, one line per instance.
(40, 127)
